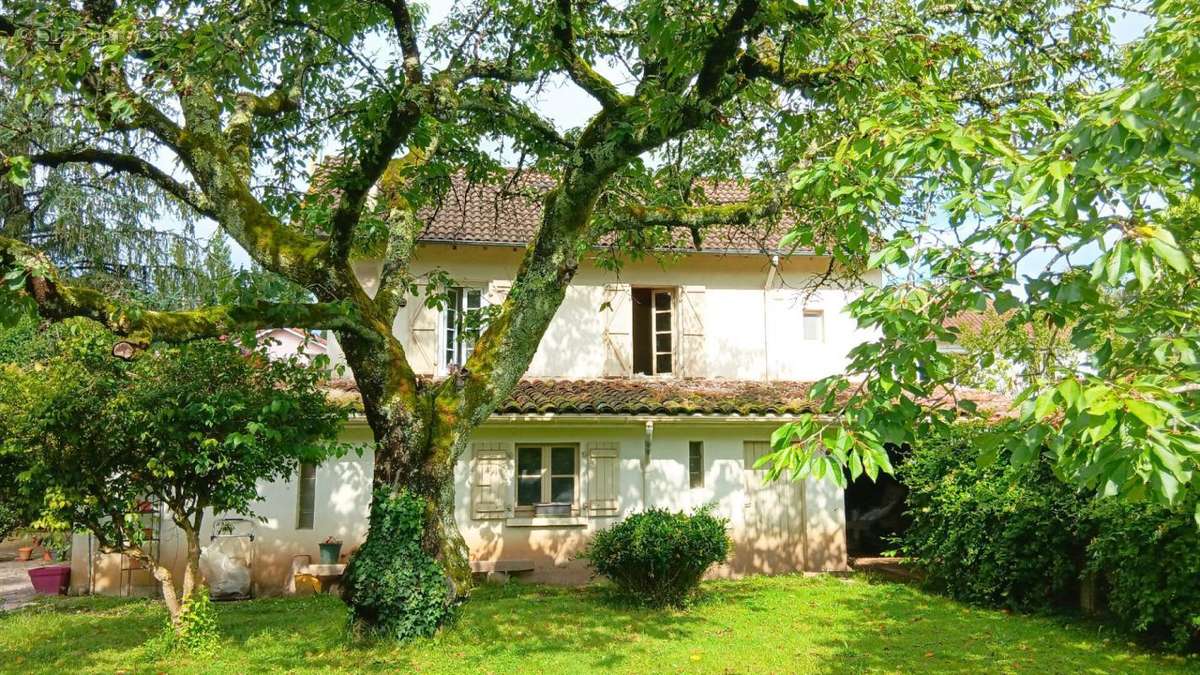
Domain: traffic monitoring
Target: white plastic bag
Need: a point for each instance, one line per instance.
(226, 575)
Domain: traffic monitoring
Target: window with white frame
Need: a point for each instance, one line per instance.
(459, 326)
(306, 505)
(653, 331)
(814, 325)
(547, 474)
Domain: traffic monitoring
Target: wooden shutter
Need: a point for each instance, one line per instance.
(422, 348)
(692, 351)
(603, 480)
(618, 330)
(497, 291)
(490, 480)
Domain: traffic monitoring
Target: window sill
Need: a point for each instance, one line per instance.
(548, 521)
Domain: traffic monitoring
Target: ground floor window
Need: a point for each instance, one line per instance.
(306, 510)
(547, 475)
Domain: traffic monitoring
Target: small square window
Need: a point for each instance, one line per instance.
(814, 325)
(696, 464)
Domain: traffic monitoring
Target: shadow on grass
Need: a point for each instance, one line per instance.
(894, 626)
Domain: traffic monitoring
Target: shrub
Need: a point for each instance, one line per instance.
(1148, 558)
(998, 535)
(394, 588)
(657, 558)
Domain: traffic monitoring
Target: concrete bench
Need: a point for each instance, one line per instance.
(326, 576)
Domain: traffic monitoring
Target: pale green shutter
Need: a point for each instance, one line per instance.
(422, 347)
(603, 484)
(490, 482)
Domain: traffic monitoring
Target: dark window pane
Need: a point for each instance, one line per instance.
(473, 299)
(662, 321)
(696, 464)
(663, 363)
(662, 300)
(529, 461)
(562, 489)
(307, 485)
(562, 461)
(529, 490)
(662, 342)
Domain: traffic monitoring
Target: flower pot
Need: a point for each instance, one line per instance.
(50, 580)
(147, 534)
(47, 555)
(330, 553)
(24, 553)
(552, 509)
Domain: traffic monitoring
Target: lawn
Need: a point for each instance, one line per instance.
(781, 624)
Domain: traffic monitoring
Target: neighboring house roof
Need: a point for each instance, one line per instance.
(649, 396)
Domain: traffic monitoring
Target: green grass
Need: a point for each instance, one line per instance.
(781, 624)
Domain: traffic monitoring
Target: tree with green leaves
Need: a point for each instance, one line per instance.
(236, 98)
(1072, 210)
(194, 427)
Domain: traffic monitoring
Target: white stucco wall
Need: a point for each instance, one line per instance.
(343, 500)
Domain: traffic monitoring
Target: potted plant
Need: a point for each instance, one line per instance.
(331, 550)
(56, 546)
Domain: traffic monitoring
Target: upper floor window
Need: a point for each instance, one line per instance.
(814, 325)
(458, 331)
(653, 331)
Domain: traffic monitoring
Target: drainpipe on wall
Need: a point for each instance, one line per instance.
(649, 441)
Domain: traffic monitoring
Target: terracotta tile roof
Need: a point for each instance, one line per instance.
(509, 213)
(647, 396)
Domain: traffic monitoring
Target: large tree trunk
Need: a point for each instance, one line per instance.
(408, 455)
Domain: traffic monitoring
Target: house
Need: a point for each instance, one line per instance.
(658, 386)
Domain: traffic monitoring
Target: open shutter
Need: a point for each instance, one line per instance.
(422, 336)
(618, 330)
(497, 291)
(693, 354)
(603, 481)
(490, 483)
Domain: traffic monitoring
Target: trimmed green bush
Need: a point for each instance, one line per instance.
(998, 535)
(657, 558)
(1148, 559)
(393, 587)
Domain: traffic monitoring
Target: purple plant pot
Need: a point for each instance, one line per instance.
(50, 580)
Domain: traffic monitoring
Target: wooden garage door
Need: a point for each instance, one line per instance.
(772, 537)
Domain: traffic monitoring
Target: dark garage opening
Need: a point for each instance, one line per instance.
(874, 514)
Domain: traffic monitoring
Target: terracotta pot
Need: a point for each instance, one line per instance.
(52, 580)
(147, 533)
(24, 553)
(47, 555)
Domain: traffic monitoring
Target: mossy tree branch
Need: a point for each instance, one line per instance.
(580, 71)
(57, 301)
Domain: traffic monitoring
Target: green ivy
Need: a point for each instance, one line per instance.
(197, 628)
(394, 588)
(657, 558)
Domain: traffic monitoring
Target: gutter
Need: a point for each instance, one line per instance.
(609, 419)
(647, 444)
